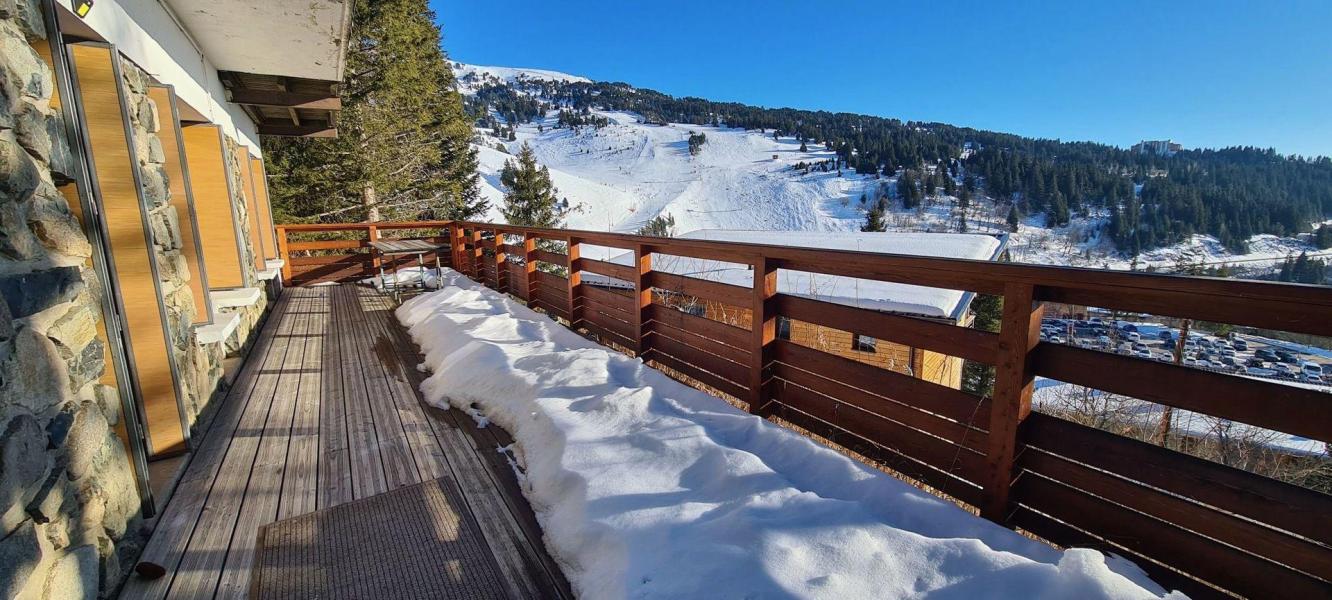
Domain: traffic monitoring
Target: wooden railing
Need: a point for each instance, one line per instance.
(1183, 519)
(347, 255)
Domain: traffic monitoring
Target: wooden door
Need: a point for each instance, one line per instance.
(219, 233)
(116, 190)
(265, 206)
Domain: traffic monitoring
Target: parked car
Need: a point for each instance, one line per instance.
(1228, 352)
(1139, 346)
(1143, 353)
(1165, 334)
(1260, 372)
(1265, 354)
(1287, 357)
(1056, 339)
(1204, 342)
(1168, 344)
(1310, 367)
(1133, 336)
(1228, 361)
(1254, 361)
(1165, 357)
(1103, 340)
(1240, 345)
(1311, 378)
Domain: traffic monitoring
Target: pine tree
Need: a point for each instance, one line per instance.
(403, 148)
(803, 147)
(1322, 237)
(530, 199)
(874, 220)
(978, 378)
(1013, 218)
(659, 226)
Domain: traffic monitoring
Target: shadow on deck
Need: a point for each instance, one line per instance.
(326, 411)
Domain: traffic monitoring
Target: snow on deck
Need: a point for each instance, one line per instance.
(647, 488)
(864, 293)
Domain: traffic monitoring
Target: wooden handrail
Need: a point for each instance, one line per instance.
(912, 423)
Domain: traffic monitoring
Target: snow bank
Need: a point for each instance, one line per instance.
(864, 293)
(648, 488)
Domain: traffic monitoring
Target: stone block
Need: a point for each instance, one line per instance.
(17, 241)
(21, 65)
(156, 155)
(56, 228)
(30, 293)
(19, 173)
(75, 575)
(78, 327)
(86, 446)
(166, 228)
(45, 506)
(155, 190)
(21, 554)
(28, 15)
(108, 399)
(35, 375)
(148, 116)
(61, 160)
(31, 132)
(24, 465)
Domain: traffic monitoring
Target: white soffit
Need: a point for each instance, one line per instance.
(291, 38)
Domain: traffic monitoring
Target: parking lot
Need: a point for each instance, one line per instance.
(1236, 353)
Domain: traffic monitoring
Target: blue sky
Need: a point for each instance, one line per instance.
(1205, 74)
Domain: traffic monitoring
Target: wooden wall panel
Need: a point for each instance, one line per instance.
(212, 205)
(252, 209)
(265, 206)
(117, 193)
(182, 199)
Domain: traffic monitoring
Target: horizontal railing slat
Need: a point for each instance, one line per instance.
(1191, 553)
(707, 378)
(953, 340)
(700, 358)
(1302, 411)
(925, 395)
(609, 269)
(724, 293)
(726, 334)
(1281, 505)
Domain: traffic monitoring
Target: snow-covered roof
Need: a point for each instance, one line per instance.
(863, 293)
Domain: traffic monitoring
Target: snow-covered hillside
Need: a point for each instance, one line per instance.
(620, 176)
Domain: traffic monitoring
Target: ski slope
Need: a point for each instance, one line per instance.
(619, 177)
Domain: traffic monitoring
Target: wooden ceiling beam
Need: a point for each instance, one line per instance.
(305, 130)
(278, 99)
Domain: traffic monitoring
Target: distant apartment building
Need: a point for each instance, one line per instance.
(1157, 147)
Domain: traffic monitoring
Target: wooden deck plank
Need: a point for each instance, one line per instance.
(335, 470)
(399, 464)
(259, 504)
(367, 467)
(300, 481)
(481, 471)
(172, 532)
(201, 566)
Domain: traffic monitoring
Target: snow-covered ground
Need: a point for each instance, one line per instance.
(647, 488)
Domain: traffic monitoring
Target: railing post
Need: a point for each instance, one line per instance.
(376, 261)
(455, 246)
(474, 257)
(575, 282)
(284, 254)
(763, 327)
(530, 268)
(501, 264)
(643, 292)
(1014, 381)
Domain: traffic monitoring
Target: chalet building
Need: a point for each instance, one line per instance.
(943, 306)
(1157, 147)
(137, 255)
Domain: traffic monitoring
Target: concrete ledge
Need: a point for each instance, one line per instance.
(223, 325)
(270, 273)
(275, 263)
(235, 298)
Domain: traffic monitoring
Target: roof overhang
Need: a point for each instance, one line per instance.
(281, 60)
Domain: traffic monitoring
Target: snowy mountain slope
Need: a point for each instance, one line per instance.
(619, 177)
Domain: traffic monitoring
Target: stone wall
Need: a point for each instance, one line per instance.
(250, 316)
(199, 367)
(67, 490)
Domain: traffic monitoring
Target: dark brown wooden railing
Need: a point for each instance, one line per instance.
(1183, 519)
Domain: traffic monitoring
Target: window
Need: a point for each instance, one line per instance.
(863, 343)
(783, 328)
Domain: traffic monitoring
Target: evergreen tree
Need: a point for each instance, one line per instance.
(874, 219)
(1322, 237)
(530, 199)
(659, 226)
(803, 147)
(1013, 218)
(403, 147)
(978, 378)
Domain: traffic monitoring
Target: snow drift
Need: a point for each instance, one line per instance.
(647, 488)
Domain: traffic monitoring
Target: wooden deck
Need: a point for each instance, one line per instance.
(326, 410)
